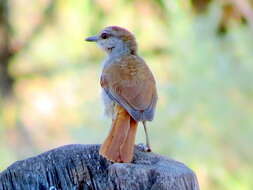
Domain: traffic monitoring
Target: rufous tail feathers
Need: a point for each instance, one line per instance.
(119, 144)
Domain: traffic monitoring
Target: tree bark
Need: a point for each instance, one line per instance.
(80, 167)
(6, 80)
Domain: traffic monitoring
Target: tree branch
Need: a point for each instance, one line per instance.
(246, 10)
(46, 17)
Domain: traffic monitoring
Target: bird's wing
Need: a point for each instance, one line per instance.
(129, 82)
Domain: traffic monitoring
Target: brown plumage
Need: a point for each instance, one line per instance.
(129, 90)
(119, 144)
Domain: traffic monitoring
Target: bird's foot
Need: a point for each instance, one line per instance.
(144, 147)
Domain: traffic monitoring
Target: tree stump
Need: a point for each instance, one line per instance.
(80, 167)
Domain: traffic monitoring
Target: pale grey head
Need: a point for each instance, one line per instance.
(115, 40)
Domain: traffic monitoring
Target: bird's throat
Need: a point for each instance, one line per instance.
(110, 49)
(118, 51)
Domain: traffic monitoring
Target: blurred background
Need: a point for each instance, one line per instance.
(200, 51)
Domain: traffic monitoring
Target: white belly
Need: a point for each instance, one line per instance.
(109, 105)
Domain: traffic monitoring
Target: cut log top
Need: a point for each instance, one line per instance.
(80, 167)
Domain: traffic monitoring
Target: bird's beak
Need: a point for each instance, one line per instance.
(92, 39)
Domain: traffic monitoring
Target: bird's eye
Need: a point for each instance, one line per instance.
(104, 35)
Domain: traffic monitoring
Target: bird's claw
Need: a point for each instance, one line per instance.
(144, 147)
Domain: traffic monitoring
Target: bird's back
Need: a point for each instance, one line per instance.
(128, 81)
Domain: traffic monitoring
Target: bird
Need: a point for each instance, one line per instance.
(128, 91)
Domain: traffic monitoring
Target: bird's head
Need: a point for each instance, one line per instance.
(115, 39)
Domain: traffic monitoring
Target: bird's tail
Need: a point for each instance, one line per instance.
(119, 144)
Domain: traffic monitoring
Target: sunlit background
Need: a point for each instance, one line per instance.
(200, 51)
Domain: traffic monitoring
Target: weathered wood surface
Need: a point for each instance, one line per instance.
(79, 167)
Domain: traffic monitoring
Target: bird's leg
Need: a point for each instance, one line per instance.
(147, 138)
